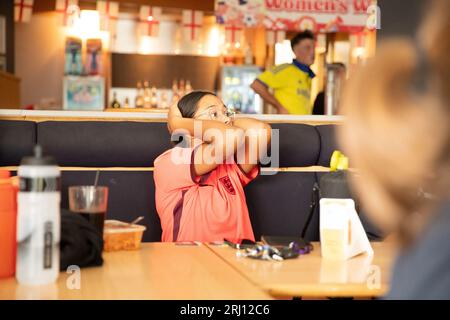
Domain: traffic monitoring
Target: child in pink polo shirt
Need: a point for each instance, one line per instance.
(200, 182)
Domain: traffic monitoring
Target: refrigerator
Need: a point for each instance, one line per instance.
(235, 89)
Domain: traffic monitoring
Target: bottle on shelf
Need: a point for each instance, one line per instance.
(147, 97)
(126, 104)
(164, 101)
(182, 88)
(115, 103)
(154, 98)
(248, 56)
(175, 92)
(139, 100)
(188, 87)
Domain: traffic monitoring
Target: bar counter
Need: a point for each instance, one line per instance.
(148, 115)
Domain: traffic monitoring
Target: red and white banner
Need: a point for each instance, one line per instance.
(192, 24)
(233, 33)
(109, 13)
(68, 10)
(317, 15)
(275, 36)
(358, 40)
(23, 10)
(149, 20)
(340, 15)
(275, 31)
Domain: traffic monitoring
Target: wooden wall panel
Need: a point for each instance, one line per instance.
(9, 91)
(161, 70)
(7, 10)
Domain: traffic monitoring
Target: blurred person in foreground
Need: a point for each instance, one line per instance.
(397, 135)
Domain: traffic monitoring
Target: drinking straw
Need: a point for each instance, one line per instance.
(96, 178)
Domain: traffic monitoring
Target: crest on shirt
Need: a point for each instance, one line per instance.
(226, 182)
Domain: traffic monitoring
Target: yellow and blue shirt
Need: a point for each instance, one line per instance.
(291, 84)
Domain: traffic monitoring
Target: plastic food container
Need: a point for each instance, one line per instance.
(119, 235)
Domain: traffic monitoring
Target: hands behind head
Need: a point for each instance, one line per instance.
(174, 112)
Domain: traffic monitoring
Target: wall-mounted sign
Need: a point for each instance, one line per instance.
(240, 12)
(23, 10)
(316, 15)
(83, 93)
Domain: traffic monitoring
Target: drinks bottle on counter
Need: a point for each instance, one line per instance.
(147, 95)
(175, 91)
(139, 101)
(115, 103)
(188, 87)
(181, 88)
(38, 220)
(154, 98)
(126, 104)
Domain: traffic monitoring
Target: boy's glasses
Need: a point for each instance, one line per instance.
(215, 114)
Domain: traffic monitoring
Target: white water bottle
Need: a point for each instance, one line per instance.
(38, 220)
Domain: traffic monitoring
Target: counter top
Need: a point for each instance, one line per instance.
(134, 110)
(148, 116)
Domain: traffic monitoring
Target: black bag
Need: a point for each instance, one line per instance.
(81, 244)
(335, 185)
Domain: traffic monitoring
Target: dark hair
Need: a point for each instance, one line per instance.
(188, 106)
(188, 103)
(307, 34)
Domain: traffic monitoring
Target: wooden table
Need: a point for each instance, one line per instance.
(169, 271)
(156, 271)
(311, 276)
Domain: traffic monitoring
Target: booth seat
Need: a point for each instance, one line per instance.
(278, 203)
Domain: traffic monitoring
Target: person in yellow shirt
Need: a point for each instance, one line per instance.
(290, 82)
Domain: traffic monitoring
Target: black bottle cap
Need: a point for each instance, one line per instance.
(38, 159)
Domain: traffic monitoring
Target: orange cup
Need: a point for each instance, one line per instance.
(8, 216)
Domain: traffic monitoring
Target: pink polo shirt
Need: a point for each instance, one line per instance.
(203, 208)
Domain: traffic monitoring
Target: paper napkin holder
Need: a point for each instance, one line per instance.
(342, 234)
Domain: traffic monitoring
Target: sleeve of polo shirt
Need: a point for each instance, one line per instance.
(175, 170)
(270, 78)
(244, 177)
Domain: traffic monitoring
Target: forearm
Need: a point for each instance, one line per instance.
(266, 95)
(270, 98)
(217, 135)
(250, 123)
(257, 139)
(199, 128)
